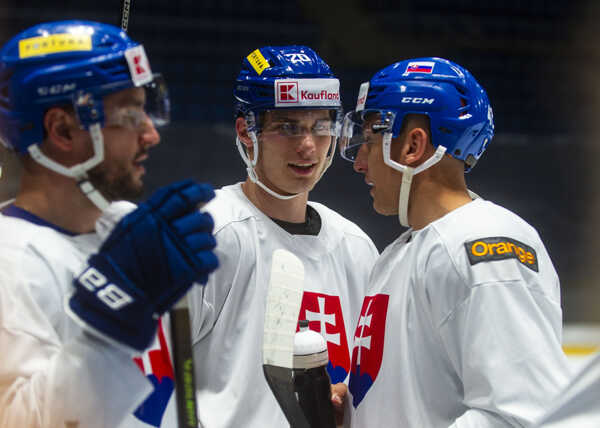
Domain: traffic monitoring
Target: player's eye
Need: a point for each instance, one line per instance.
(322, 128)
(129, 118)
(289, 129)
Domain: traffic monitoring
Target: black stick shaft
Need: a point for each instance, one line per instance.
(181, 337)
(185, 388)
(125, 12)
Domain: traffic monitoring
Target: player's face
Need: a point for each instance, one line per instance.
(293, 149)
(384, 181)
(128, 134)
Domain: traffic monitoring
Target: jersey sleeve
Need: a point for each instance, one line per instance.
(576, 405)
(502, 332)
(48, 382)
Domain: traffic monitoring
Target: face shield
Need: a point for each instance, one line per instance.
(364, 127)
(301, 123)
(132, 112)
(158, 104)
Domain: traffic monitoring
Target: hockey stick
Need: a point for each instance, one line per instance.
(284, 297)
(181, 335)
(125, 12)
(183, 365)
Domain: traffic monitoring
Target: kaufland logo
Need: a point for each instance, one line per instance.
(323, 95)
(287, 92)
(307, 93)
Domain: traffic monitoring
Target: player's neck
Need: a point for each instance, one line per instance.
(291, 210)
(429, 201)
(58, 200)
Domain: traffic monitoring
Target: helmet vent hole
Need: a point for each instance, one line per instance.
(445, 130)
(463, 103)
(4, 98)
(457, 152)
(113, 68)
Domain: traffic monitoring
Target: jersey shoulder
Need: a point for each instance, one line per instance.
(37, 265)
(488, 243)
(229, 206)
(341, 226)
(476, 249)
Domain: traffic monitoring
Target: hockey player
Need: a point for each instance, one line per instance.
(288, 113)
(461, 325)
(79, 104)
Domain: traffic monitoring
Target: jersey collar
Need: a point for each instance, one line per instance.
(13, 211)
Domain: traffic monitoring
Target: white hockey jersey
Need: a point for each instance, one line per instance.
(228, 319)
(461, 327)
(51, 374)
(578, 405)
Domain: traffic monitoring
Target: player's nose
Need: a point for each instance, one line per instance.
(360, 163)
(149, 135)
(307, 145)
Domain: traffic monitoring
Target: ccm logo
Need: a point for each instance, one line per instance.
(111, 295)
(417, 100)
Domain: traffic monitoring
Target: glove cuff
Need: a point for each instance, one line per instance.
(107, 302)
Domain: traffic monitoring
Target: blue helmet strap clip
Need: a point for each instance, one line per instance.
(89, 108)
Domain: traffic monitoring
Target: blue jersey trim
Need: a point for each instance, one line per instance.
(13, 211)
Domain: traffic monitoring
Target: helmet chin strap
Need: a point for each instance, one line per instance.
(407, 174)
(79, 171)
(251, 163)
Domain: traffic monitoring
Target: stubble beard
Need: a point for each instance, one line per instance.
(119, 185)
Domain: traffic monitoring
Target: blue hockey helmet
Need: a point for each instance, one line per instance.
(285, 77)
(70, 63)
(460, 115)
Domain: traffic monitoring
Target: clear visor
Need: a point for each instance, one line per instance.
(362, 127)
(297, 123)
(158, 103)
(131, 110)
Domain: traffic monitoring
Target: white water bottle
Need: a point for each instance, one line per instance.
(311, 380)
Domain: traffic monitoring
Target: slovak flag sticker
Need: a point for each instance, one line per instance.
(419, 67)
(324, 315)
(368, 346)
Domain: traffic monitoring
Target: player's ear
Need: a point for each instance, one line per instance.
(58, 125)
(241, 128)
(415, 147)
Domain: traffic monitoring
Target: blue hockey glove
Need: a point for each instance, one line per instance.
(150, 260)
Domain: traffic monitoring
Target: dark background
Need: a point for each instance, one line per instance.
(538, 60)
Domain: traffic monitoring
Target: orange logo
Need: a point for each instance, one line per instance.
(501, 248)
